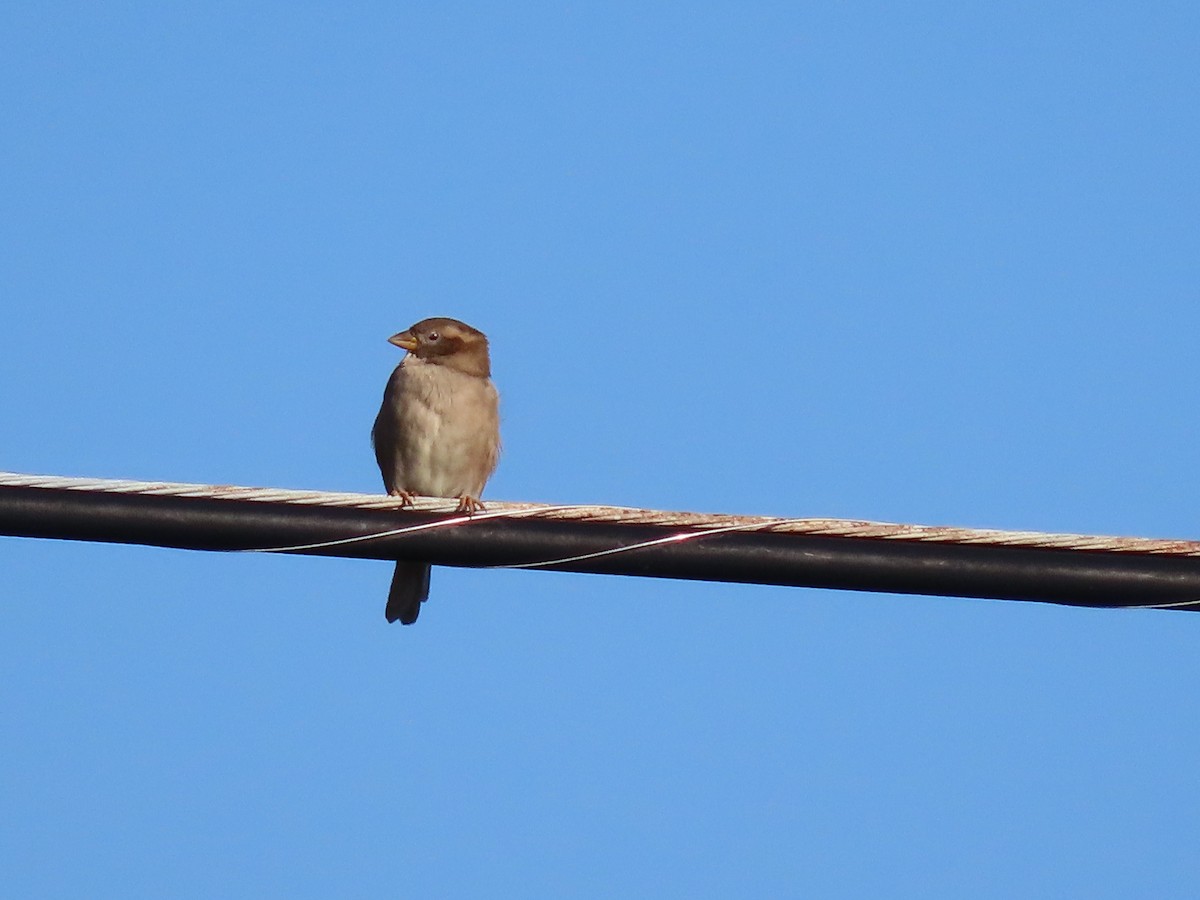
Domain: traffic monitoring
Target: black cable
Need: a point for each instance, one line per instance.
(1094, 578)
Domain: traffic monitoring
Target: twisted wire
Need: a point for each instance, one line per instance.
(694, 525)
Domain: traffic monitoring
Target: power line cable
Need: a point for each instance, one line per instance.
(1080, 570)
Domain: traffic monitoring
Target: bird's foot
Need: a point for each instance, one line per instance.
(406, 499)
(468, 504)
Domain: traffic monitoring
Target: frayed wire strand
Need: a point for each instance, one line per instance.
(408, 529)
(677, 538)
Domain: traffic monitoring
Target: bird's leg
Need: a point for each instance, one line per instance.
(406, 499)
(468, 504)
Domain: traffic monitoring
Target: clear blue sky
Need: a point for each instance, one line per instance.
(928, 262)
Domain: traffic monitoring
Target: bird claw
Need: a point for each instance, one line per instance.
(406, 499)
(468, 504)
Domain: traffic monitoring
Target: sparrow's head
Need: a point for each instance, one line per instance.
(447, 342)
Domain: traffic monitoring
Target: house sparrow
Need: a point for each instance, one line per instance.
(437, 433)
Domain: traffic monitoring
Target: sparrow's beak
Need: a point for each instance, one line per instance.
(405, 340)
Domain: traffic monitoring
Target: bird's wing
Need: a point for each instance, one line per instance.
(384, 436)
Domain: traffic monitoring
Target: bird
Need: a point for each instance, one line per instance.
(437, 433)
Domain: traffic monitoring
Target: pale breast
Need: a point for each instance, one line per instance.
(445, 425)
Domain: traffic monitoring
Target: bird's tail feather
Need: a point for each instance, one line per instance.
(410, 588)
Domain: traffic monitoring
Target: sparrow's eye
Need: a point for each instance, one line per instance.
(432, 337)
